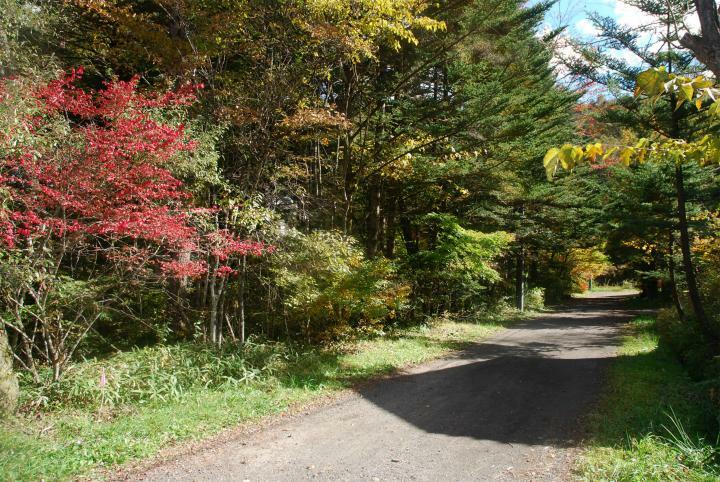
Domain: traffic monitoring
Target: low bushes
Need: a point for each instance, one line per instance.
(697, 354)
(687, 340)
(328, 287)
(535, 299)
(158, 373)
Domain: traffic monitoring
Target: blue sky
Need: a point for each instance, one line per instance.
(574, 14)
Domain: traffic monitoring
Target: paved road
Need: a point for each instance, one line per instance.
(505, 409)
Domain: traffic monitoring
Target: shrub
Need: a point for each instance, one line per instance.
(535, 299)
(455, 268)
(687, 340)
(327, 287)
(697, 354)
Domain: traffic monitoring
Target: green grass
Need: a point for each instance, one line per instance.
(654, 423)
(626, 287)
(607, 288)
(85, 430)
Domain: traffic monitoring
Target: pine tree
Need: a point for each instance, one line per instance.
(655, 44)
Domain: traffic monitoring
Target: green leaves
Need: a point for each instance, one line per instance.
(656, 82)
(551, 162)
(652, 82)
(568, 156)
(593, 150)
(704, 151)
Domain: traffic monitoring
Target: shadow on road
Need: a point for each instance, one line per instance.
(527, 387)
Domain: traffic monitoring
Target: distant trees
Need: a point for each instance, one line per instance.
(657, 83)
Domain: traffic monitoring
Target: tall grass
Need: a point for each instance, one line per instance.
(154, 397)
(654, 423)
(161, 373)
(694, 452)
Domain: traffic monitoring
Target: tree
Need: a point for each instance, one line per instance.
(657, 83)
(8, 380)
(706, 46)
(316, 116)
(654, 44)
(88, 200)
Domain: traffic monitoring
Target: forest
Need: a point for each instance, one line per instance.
(215, 203)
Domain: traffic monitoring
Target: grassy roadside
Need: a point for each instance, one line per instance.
(74, 439)
(653, 421)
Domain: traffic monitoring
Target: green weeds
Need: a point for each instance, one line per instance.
(155, 397)
(654, 422)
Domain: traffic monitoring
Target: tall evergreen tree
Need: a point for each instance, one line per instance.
(654, 44)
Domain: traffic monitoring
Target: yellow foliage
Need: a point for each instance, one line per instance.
(382, 21)
(588, 263)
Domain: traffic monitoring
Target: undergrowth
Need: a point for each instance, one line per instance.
(129, 406)
(654, 423)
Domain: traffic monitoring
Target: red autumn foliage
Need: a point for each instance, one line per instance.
(103, 175)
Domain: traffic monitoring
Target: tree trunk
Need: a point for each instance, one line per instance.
(348, 188)
(9, 390)
(373, 228)
(691, 280)
(520, 279)
(673, 282)
(214, 298)
(390, 228)
(409, 234)
(241, 297)
(707, 46)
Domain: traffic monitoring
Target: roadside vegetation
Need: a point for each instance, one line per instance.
(211, 210)
(627, 286)
(130, 405)
(655, 422)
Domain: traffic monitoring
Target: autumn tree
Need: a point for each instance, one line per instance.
(88, 200)
(699, 92)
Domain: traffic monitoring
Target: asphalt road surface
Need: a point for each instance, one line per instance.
(508, 408)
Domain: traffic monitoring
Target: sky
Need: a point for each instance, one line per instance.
(574, 15)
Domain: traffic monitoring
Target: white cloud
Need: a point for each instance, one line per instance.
(586, 27)
(692, 23)
(629, 15)
(624, 55)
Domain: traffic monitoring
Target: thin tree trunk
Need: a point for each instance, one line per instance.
(374, 218)
(673, 282)
(691, 280)
(390, 228)
(520, 279)
(348, 182)
(241, 297)
(214, 297)
(9, 390)
(409, 234)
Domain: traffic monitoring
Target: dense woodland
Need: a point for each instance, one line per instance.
(210, 172)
